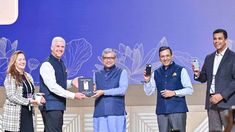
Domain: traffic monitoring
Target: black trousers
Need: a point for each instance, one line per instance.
(53, 120)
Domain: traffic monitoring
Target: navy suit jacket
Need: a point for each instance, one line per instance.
(224, 79)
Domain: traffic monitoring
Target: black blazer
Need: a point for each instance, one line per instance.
(224, 79)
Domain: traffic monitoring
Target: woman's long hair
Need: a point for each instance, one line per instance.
(11, 69)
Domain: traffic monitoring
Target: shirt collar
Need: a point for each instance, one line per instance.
(54, 58)
(166, 67)
(222, 53)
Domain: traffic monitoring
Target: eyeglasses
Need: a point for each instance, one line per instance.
(109, 58)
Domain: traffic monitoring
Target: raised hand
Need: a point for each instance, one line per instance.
(146, 77)
(196, 71)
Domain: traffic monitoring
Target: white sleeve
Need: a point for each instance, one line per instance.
(47, 73)
(150, 87)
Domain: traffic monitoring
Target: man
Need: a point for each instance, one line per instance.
(172, 83)
(219, 72)
(53, 82)
(111, 83)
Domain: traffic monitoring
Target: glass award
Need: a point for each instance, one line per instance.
(85, 86)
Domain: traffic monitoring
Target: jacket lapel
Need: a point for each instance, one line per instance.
(211, 63)
(225, 57)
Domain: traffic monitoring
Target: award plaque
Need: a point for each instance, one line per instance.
(85, 86)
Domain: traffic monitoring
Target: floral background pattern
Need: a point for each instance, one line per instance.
(79, 51)
(6, 50)
(135, 60)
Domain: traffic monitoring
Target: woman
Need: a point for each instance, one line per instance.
(18, 107)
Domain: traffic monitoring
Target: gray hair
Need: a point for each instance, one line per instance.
(108, 50)
(57, 39)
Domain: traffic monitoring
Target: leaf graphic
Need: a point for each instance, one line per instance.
(6, 50)
(137, 59)
(77, 52)
(134, 60)
(3, 44)
(33, 64)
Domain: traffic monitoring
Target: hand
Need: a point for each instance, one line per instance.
(216, 98)
(146, 77)
(75, 82)
(167, 93)
(196, 71)
(80, 96)
(34, 102)
(98, 93)
(39, 97)
(42, 101)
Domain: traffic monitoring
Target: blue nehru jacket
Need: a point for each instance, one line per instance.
(108, 105)
(53, 101)
(170, 79)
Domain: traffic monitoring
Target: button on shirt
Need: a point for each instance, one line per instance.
(217, 60)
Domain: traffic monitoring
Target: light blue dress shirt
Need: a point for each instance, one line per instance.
(187, 89)
(113, 123)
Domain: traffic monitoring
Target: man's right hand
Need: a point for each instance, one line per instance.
(196, 71)
(146, 77)
(80, 96)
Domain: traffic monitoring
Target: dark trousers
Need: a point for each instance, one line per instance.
(53, 120)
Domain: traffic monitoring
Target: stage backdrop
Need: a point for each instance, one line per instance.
(134, 28)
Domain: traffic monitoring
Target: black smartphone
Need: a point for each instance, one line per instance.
(148, 69)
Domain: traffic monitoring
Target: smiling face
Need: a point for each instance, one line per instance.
(109, 59)
(219, 42)
(165, 57)
(57, 49)
(20, 63)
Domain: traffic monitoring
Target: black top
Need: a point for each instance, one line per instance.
(26, 118)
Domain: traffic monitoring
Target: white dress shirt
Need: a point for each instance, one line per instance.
(48, 75)
(217, 60)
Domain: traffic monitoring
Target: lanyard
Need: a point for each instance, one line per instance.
(28, 93)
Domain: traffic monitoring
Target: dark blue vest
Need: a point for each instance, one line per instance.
(169, 79)
(109, 105)
(53, 101)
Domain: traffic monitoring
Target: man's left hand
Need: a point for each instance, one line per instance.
(216, 98)
(167, 93)
(75, 82)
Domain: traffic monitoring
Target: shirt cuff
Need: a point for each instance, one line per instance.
(176, 93)
(70, 95)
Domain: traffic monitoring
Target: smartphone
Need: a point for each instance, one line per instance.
(195, 63)
(148, 69)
